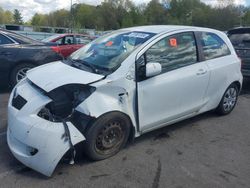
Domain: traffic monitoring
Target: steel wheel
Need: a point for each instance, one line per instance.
(230, 99)
(21, 73)
(109, 138)
(107, 135)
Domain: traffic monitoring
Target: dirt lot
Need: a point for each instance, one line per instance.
(205, 151)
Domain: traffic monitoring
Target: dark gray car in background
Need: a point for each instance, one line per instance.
(240, 38)
(18, 54)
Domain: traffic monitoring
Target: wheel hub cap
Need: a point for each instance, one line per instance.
(230, 99)
(21, 73)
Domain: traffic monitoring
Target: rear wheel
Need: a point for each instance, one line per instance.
(107, 136)
(228, 100)
(19, 72)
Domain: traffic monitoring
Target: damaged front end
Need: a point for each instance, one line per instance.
(43, 126)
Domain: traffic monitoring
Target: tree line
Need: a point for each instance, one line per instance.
(115, 14)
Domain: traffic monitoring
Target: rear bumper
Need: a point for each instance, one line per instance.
(37, 143)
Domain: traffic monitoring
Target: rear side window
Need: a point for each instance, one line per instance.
(213, 46)
(174, 51)
(4, 40)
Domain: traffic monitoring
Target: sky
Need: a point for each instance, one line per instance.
(29, 7)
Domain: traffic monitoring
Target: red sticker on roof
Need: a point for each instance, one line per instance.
(110, 43)
(173, 42)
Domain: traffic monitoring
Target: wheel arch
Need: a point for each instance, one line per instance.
(238, 84)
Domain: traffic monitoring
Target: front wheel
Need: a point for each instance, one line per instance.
(228, 100)
(107, 135)
(19, 72)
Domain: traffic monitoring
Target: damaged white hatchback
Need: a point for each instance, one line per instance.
(118, 87)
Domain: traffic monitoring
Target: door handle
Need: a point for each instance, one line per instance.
(201, 72)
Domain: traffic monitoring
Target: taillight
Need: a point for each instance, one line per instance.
(55, 49)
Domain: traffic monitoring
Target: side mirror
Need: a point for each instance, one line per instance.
(153, 69)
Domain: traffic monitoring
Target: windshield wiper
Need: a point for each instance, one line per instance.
(80, 63)
(92, 67)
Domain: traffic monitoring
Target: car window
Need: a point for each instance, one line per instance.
(59, 41)
(240, 39)
(22, 39)
(68, 40)
(4, 40)
(213, 46)
(82, 39)
(174, 51)
(108, 52)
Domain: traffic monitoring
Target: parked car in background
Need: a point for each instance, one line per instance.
(18, 54)
(120, 86)
(68, 43)
(240, 38)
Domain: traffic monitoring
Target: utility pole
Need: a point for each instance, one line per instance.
(71, 17)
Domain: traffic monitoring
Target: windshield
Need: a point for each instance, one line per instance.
(50, 38)
(108, 52)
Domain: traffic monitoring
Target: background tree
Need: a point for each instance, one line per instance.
(115, 14)
(17, 17)
(5, 16)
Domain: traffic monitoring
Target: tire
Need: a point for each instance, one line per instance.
(19, 72)
(228, 100)
(107, 136)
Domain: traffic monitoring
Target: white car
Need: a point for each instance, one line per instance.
(118, 87)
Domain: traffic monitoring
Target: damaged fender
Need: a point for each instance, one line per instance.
(110, 97)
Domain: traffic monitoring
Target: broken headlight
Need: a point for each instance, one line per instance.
(64, 100)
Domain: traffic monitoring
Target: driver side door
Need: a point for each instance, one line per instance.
(179, 90)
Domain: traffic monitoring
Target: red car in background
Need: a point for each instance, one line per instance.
(68, 43)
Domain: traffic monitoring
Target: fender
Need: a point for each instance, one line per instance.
(109, 98)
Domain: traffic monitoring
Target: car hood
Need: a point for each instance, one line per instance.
(53, 75)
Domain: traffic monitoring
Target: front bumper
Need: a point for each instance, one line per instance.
(36, 142)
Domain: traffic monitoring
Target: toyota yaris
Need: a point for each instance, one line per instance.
(118, 87)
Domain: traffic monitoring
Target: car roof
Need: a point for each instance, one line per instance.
(164, 28)
(239, 30)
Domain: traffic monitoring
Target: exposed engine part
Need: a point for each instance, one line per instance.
(67, 97)
(64, 100)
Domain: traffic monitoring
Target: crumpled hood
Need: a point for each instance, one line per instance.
(56, 74)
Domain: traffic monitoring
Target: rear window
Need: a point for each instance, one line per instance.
(240, 39)
(22, 39)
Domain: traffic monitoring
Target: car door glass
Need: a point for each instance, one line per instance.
(4, 40)
(213, 46)
(174, 51)
(68, 40)
(82, 40)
